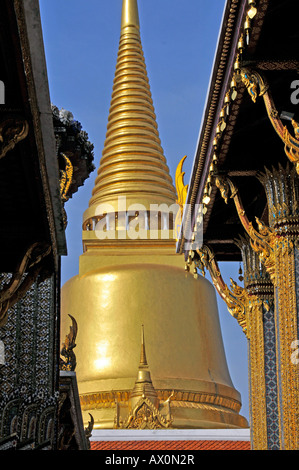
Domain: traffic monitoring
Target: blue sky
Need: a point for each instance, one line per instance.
(179, 39)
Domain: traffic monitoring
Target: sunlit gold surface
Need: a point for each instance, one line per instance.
(130, 15)
(123, 284)
(133, 163)
(184, 342)
(182, 190)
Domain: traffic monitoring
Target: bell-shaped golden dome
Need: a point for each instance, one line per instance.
(111, 297)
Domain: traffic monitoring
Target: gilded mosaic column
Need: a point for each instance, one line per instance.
(277, 248)
(261, 351)
(281, 187)
(252, 306)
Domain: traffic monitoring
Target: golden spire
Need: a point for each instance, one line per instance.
(130, 16)
(132, 164)
(143, 385)
(143, 361)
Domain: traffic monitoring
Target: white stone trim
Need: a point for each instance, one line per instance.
(171, 435)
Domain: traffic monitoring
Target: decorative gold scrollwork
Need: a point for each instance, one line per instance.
(26, 273)
(235, 298)
(263, 239)
(146, 416)
(257, 86)
(66, 178)
(12, 130)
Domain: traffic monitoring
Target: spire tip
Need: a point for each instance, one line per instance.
(143, 361)
(130, 16)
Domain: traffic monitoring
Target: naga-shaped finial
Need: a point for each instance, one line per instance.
(182, 190)
(68, 346)
(89, 429)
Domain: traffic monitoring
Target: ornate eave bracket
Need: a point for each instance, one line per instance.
(13, 129)
(26, 273)
(235, 298)
(257, 86)
(261, 240)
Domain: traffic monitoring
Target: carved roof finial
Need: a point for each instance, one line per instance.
(143, 385)
(143, 361)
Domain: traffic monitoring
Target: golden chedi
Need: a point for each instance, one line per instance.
(129, 275)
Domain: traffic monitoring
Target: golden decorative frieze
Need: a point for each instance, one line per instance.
(12, 130)
(110, 399)
(192, 405)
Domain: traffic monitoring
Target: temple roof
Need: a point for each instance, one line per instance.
(30, 202)
(236, 132)
(34, 135)
(169, 445)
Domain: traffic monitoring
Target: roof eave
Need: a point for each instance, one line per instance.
(31, 40)
(222, 71)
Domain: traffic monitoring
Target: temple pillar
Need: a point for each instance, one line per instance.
(281, 187)
(277, 249)
(261, 351)
(253, 307)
